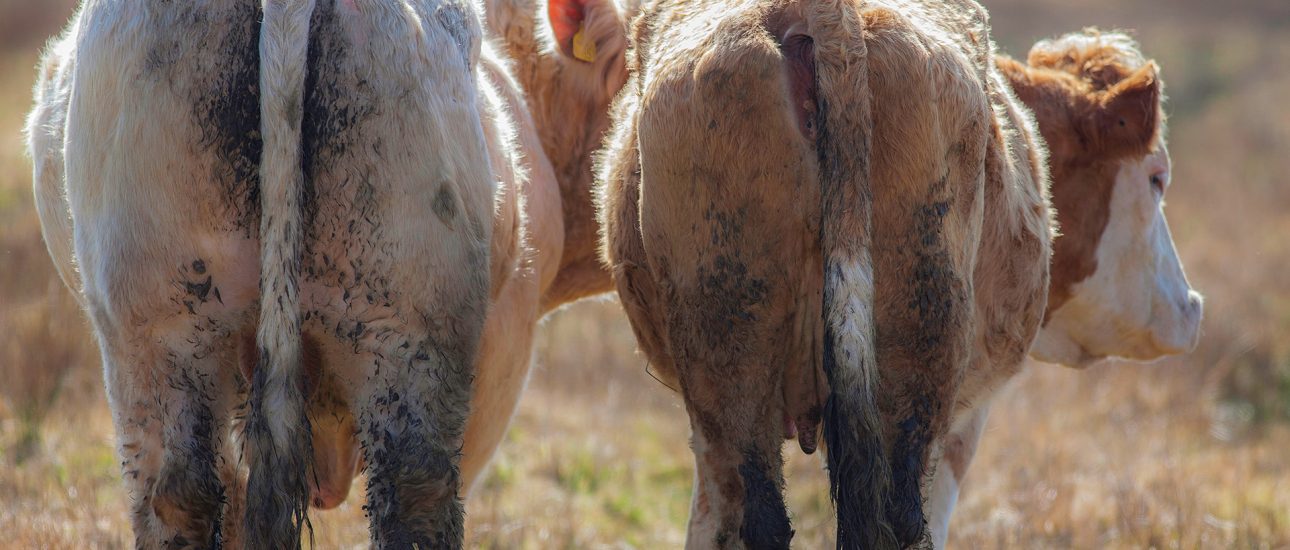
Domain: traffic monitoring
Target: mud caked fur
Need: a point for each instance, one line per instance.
(278, 434)
(858, 468)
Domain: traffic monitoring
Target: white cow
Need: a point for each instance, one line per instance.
(282, 187)
(543, 243)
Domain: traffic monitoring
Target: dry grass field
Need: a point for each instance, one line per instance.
(1192, 452)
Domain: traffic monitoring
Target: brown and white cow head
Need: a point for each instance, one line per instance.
(1118, 288)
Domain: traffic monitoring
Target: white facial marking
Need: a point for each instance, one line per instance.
(1138, 303)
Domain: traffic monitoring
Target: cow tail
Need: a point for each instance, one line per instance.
(278, 441)
(859, 473)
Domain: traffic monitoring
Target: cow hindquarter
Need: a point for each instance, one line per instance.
(931, 121)
(398, 210)
(526, 248)
(1011, 282)
(163, 148)
(45, 131)
(708, 237)
(161, 153)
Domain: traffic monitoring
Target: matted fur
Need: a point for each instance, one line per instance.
(527, 246)
(859, 471)
(171, 273)
(949, 150)
(277, 428)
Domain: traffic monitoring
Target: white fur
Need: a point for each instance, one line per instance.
(1125, 47)
(284, 39)
(1137, 304)
(938, 506)
(853, 324)
(45, 127)
(134, 211)
(131, 228)
(704, 524)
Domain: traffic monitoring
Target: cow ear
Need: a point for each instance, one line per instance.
(586, 30)
(1128, 115)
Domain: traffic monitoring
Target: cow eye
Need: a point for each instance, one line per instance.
(1158, 183)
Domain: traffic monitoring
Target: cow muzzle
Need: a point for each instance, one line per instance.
(1178, 331)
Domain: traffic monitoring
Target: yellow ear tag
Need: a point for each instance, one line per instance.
(584, 48)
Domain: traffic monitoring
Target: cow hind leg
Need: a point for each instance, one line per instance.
(410, 428)
(173, 433)
(738, 494)
(396, 259)
(956, 451)
(188, 494)
(169, 366)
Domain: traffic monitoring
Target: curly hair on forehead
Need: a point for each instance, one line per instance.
(1101, 58)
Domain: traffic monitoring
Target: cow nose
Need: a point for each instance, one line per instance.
(1180, 331)
(1195, 301)
(1194, 311)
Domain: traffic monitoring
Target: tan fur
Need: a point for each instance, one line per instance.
(1079, 78)
(568, 101)
(506, 345)
(730, 379)
(689, 234)
(1080, 95)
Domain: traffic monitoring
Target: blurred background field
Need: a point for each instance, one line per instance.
(1187, 453)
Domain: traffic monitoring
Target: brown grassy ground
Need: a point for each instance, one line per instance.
(1189, 453)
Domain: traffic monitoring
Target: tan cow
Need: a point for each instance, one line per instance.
(797, 187)
(1118, 288)
(568, 89)
(324, 175)
(568, 99)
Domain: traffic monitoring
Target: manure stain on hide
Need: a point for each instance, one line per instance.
(188, 493)
(765, 522)
(199, 290)
(904, 509)
(445, 204)
(226, 103)
(454, 20)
